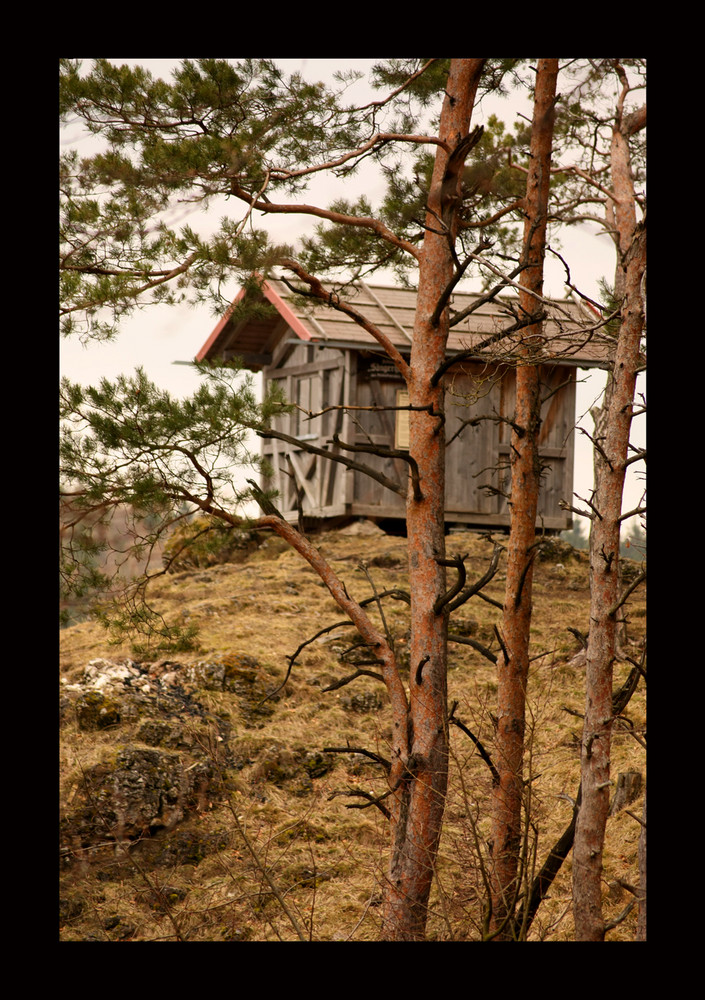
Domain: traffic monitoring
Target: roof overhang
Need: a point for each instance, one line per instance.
(229, 331)
(568, 328)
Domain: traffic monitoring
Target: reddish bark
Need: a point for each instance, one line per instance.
(422, 789)
(419, 752)
(513, 666)
(612, 427)
(613, 422)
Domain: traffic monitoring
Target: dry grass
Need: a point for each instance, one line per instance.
(324, 859)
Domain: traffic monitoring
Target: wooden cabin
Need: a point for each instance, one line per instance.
(324, 361)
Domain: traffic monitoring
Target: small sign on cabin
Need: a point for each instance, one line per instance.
(401, 430)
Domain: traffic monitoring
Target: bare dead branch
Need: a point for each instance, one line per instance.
(489, 296)
(582, 639)
(632, 513)
(500, 640)
(394, 592)
(638, 456)
(467, 640)
(460, 270)
(622, 697)
(564, 505)
(382, 452)
(351, 677)
(591, 505)
(611, 924)
(549, 870)
(524, 573)
(452, 718)
(476, 351)
(350, 463)
(372, 800)
(378, 602)
(476, 587)
(317, 291)
(490, 600)
(365, 753)
(458, 562)
(474, 421)
(641, 822)
(310, 415)
(623, 597)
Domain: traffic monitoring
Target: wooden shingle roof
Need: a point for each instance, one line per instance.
(571, 332)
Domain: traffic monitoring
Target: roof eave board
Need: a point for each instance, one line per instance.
(220, 332)
(308, 329)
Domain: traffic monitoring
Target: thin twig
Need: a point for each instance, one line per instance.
(480, 748)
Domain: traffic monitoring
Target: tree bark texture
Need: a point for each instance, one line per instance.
(513, 665)
(419, 780)
(612, 427)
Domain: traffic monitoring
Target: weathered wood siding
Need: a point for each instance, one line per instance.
(377, 384)
(555, 439)
(471, 455)
(317, 378)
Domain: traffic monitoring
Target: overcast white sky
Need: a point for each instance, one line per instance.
(159, 336)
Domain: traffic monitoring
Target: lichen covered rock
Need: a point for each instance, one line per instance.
(135, 792)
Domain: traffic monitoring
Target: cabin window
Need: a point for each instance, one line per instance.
(401, 433)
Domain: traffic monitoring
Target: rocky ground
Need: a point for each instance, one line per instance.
(204, 799)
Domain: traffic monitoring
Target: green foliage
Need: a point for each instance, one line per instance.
(128, 446)
(394, 73)
(492, 184)
(611, 306)
(493, 188)
(153, 451)
(426, 88)
(347, 249)
(130, 617)
(214, 131)
(232, 134)
(242, 133)
(80, 573)
(245, 138)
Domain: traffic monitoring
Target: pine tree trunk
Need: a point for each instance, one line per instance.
(420, 781)
(612, 426)
(513, 665)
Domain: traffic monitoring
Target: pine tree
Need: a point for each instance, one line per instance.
(608, 174)
(244, 137)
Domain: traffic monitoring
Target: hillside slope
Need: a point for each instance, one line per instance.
(195, 807)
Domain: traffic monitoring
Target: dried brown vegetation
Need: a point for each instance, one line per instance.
(279, 854)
